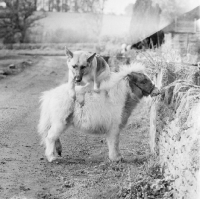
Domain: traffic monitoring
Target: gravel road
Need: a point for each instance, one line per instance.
(84, 170)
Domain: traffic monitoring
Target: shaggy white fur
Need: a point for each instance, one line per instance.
(124, 70)
(102, 112)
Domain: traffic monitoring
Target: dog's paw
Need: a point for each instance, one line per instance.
(51, 158)
(96, 90)
(81, 100)
(81, 104)
(116, 158)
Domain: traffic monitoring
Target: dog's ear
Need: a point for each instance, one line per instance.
(89, 59)
(68, 53)
(132, 77)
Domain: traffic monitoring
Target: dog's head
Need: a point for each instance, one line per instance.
(80, 63)
(141, 84)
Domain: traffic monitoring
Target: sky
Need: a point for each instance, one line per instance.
(117, 6)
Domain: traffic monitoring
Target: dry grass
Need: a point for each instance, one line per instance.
(174, 64)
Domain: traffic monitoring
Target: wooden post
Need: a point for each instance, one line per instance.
(195, 25)
(198, 81)
(188, 39)
(175, 21)
(153, 112)
(153, 118)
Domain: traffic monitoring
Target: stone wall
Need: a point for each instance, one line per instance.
(176, 137)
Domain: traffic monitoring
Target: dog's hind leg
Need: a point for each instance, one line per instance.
(51, 141)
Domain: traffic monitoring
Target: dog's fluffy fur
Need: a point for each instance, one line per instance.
(103, 113)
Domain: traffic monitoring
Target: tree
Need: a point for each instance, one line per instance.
(129, 9)
(91, 6)
(95, 8)
(20, 16)
(145, 20)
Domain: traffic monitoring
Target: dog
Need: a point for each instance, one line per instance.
(87, 69)
(101, 115)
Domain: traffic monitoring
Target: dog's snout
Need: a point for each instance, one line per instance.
(155, 92)
(78, 78)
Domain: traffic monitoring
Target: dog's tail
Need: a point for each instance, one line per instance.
(44, 122)
(116, 77)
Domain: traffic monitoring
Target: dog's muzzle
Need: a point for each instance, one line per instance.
(78, 79)
(155, 92)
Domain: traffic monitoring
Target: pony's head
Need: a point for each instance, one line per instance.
(141, 85)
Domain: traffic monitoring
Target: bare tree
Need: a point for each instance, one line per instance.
(50, 5)
(92, 6)
(35, 5)
(65, 6)
(95, 8)
(20, 16)
(145, 20)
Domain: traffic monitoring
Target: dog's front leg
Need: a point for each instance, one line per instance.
(96, 84)
(82, 89)
(51, 141)
(113, 144)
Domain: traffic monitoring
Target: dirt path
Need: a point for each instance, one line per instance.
(84, 171)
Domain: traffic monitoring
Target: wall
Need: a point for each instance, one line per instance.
(177, 137)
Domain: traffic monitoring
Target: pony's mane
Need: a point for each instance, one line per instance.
(116, 77)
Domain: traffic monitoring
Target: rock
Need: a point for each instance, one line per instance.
(1, 72)
(12, 66)
(8, 71)
(2, 76)
(68, 184)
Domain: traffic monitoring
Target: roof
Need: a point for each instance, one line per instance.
(184, 23)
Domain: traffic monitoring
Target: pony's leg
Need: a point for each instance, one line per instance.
(58, 147)
(52, 136)
(113, 144)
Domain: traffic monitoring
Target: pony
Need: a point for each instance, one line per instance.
(104, 113)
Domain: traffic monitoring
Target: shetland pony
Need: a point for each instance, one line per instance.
(103, 113)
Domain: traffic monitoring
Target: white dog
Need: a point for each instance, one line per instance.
(101, 113)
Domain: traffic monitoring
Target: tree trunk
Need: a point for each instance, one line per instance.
(58, 6)
(61, 6)
(145, 20)
(75, 6)
(35, 5)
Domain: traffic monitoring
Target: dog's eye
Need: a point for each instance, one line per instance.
(82, 67)
(74, 66)
(144, 81)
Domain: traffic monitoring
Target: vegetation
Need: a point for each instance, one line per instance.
(19, 17)
(81, 6)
